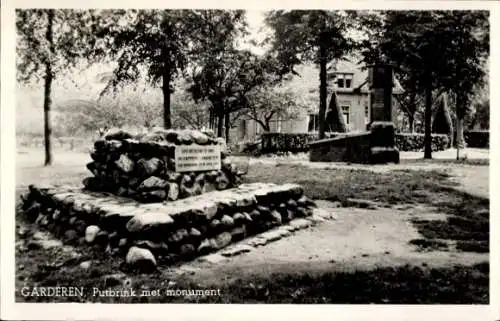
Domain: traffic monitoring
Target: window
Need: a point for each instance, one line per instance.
(345, 113)
(344, 80)
(313, 122)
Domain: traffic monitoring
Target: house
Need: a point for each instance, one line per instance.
(349, 79)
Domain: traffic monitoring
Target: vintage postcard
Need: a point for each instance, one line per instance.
(276, 161)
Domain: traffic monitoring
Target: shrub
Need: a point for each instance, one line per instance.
(289, 142)
(442, 120)
(413, 142)
(477, 138)
(298, 142)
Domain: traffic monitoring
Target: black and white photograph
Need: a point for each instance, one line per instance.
(281, 155)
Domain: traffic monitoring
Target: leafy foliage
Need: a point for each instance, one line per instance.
(442, 120)
(50, 42)
(316, 36)
(334, 121)
(431, 50)
(272, 103)
(225, 79)
(71, 38)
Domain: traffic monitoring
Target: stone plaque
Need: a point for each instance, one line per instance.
(193, 158)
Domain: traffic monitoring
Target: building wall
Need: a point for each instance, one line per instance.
(359, 117)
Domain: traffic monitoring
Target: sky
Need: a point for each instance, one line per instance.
(257, 30)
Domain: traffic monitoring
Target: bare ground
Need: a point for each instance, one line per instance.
(356, 240)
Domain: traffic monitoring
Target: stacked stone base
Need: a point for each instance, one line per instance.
(144, 168)
(170, 231)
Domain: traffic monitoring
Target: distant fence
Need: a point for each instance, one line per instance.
(59, 143)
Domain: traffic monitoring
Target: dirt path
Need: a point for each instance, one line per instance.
(358, 239)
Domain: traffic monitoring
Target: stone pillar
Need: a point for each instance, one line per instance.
(383, 149)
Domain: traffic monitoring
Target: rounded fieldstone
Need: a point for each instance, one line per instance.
(85, 265)
(80, 226)
(276, 217)
(239, 217)
(187, 251)
(140, 259)
(70, 236)
(205, 247)
(227, 221)
(221, 240)
(194, 233)
(91, 233)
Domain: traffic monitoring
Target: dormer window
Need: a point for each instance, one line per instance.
(344, 80)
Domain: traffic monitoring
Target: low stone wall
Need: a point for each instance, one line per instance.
(143, 167)
(169, 231)
(343, 148)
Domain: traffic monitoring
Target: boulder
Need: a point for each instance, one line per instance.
(173, 191)
(140, 259)
(187, 251)
(238, 233)
(199, 137)
(227, 221)
(152, 183)
(205, 247)
(125, 164)
(221, 240)
(145, 221)
(71, 236)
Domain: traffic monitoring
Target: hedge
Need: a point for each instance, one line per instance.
(477, 138)
(288, 142)
(298, 142)
(414, 142)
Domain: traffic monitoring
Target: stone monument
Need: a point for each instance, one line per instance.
(381, 125)
(375, 146)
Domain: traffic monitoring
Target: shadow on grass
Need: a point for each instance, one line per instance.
(398, 285)
(467, 215)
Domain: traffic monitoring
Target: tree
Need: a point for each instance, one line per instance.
(225, 79)
(310, 36)
(441, 50)
(466, 40)
(266, 104)
(132, 107)
(413, 42)
(153, 44)
(49, 42)
(442, 123)
(334, 119)
(186, 113)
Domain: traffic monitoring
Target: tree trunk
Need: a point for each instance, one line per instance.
(428, 115)
(47, 102)
(220, 125)
(412, 108)
(212, 120)
(460, 113)
(167, 77)
(227, 123)
(411, 122)
(322, 91)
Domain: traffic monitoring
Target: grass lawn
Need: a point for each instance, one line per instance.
(403, 284)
